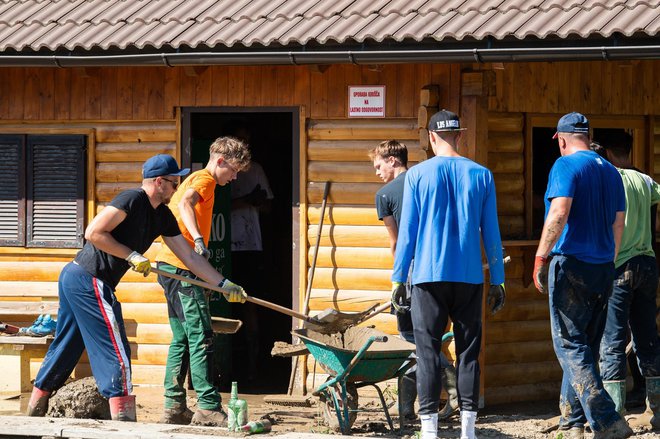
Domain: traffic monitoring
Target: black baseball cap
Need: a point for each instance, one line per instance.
(445, 120)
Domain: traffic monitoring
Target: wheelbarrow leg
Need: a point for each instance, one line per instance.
(384, 404)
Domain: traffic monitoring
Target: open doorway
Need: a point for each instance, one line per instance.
(264, 198)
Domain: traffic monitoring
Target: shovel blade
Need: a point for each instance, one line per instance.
(331, 321)
(221, 325)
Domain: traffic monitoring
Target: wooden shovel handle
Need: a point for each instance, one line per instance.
(256, 301)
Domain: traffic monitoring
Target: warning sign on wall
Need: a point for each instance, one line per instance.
(366, 101)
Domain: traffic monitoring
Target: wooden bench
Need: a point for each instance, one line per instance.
(16, 350)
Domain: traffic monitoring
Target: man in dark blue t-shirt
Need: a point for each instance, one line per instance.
(585, 214)
(90, 316)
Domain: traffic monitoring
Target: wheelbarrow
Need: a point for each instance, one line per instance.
(357, 358)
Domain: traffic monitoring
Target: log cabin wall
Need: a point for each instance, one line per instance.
(130, 113)
(520, 363)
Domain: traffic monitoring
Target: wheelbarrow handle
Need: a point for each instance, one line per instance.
(381, 338)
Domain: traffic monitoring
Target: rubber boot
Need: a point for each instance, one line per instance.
(177, 414)
(653, 400)
(122, 408)
(408, 395)
(38, 403)
(619, 430)
(449, 383)
(210, 418)
(617, 391)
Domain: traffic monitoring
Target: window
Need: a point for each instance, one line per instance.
(544, 153)
(42, 184)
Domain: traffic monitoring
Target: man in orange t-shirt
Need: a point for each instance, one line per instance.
(187, 304)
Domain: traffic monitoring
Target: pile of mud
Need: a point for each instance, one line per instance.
(79, 399)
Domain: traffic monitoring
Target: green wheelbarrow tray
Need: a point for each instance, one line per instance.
(379, 362)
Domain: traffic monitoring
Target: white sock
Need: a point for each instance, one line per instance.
(429, 426)
(467, 424)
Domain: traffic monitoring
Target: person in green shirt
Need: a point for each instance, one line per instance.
(633, 299)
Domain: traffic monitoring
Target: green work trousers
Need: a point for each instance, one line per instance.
(192, 340)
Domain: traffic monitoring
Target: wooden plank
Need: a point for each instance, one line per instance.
(519, 352)
(151, 131)
(155, 96)
(140, 292)
(119, 152)
(236, 85)
(46, 95)
(93, 95)
(15, 95)
(424, 115)
(505, 142)
(4, 91)
(351, 278)
(285, 80)
(429, 95)
(362, 129)
(302, 86)
(521, 393)
(524, 310)
(171, 91)
(105, 192)
(501, 375)
(109, 93)
(203, 87)
(518, 331)
(344, 193)
(319, 94)
(253, 86)
(352, 257)
(344, 215)
(31, 87)
(32, 289)
(187, 89)
(337, 91)
(480, 83)
(124, 94)
(405, 92)
(140, 92)
(13, 308)
(357, 150)
(509, 183)
(389, 79)
(30, 271)
(108, 172)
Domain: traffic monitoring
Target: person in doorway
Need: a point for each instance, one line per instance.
(448, 205)
(90, 315)
(574, 263)
(251, 195)
(188, 305)
(632, 302)
(390, 160)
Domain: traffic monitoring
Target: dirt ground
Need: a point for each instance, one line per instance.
(521, 420)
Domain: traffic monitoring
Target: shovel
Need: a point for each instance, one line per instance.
(222, 325)
(329, 321)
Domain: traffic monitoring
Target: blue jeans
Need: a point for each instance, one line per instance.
(578, 294)
(632, 302)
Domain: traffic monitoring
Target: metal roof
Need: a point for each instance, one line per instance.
(107, 24)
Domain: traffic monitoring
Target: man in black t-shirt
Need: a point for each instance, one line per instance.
(89, 315)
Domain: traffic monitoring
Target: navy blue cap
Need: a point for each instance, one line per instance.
(572, 123)
(162, 164)
(445, 120)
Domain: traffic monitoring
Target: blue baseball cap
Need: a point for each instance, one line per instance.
(572, 123)
(162, 164)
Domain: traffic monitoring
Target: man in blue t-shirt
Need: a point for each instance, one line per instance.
(448, 207)
(585, 212)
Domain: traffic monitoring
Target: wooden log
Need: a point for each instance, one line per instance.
(105, 192)
(30, 271)
(357, 150)
(349, 236)
(512, 227)
(361, 129)
(352, 278)
(345, 172)
(25, 289)
(347, 300)
(429, 95)
(506, 142)
(517, 291)
(340, 193)
(511, 205)
(149, 333)
(502, 375)
(114, 172)
(424, 141)
(352, 257)
(505, 122)
(139, 152)
(151, 131)
(521, 393)
(509, 183)
(147, 354)
(22, 308)
(344, 215)
(523, 310)
(520, 331)
(519, 352)
(506, 163)
(142, 374)
(140, 292)
(145, 312)
(424, 114)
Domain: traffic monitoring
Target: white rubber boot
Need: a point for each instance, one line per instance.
(429, 426)
(468, 419)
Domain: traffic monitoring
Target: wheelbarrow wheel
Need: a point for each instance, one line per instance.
(328, 406)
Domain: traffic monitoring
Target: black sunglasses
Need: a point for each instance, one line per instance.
(174, 184)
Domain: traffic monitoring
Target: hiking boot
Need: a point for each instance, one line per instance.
(177, 414)
(619, 430)
(209, 418)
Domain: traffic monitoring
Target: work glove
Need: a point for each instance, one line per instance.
(541, 274)
(232, 292)
(139, 263)
(200, 248)
(398, 296)
(496, 297)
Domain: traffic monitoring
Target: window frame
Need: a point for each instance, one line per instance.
(640, 155)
